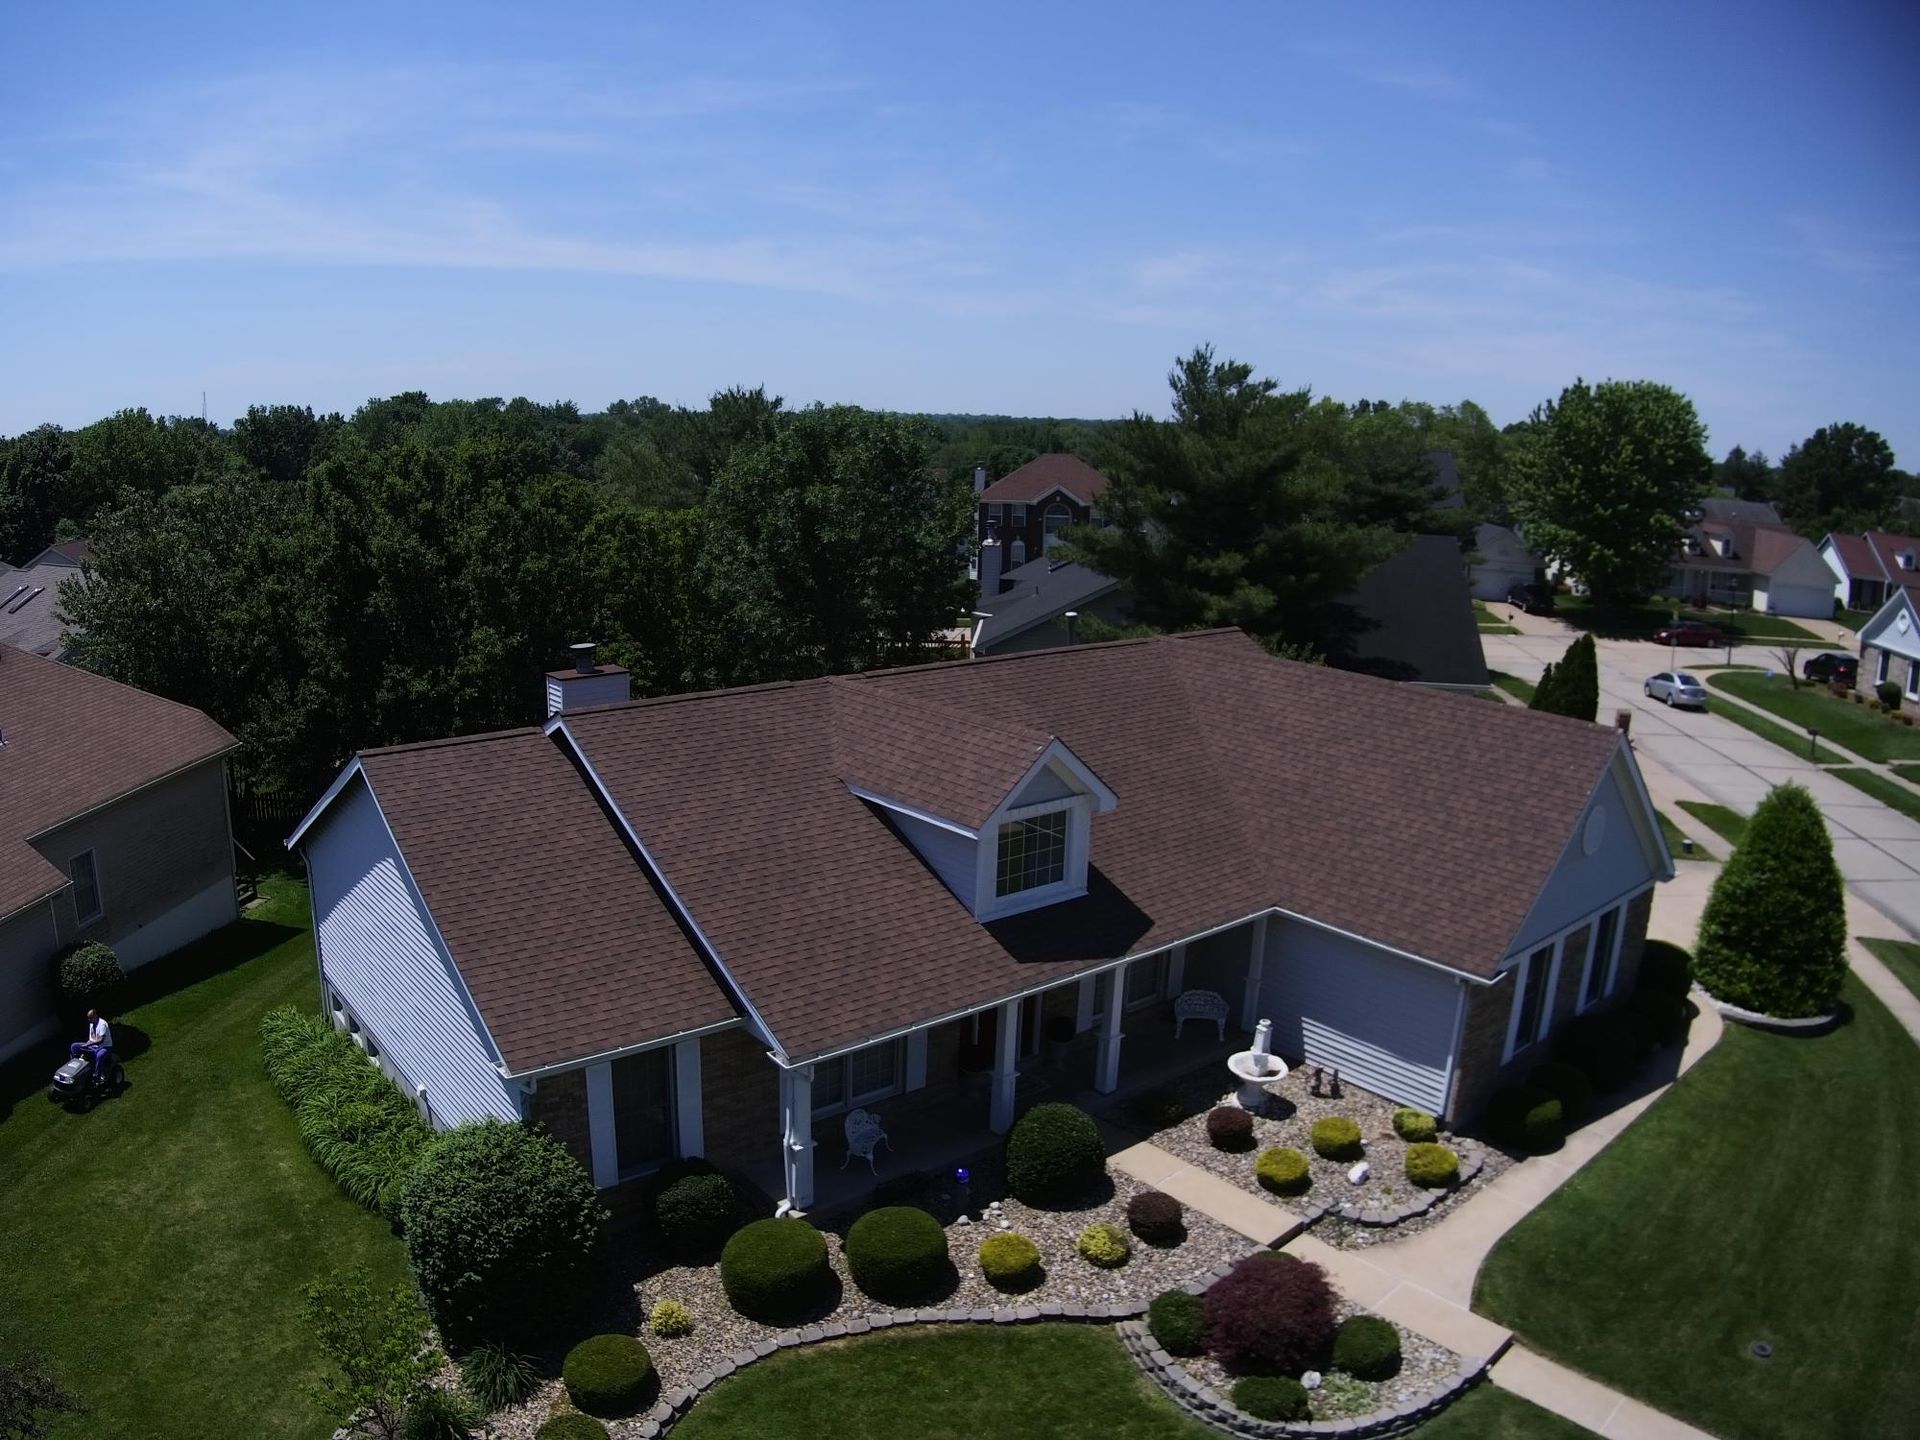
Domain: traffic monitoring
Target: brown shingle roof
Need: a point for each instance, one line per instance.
(559, 934)
(1856, 555)
(75, 741)
(1041, 476)
(1886, 549)
(955, 764)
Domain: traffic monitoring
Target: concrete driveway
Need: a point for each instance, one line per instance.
(1878, 849)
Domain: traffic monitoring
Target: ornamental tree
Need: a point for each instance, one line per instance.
(376, 1345)
(1573, 686)
(1774, 935)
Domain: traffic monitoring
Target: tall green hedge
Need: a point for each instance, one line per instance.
(1571, 687)
(1774, 935)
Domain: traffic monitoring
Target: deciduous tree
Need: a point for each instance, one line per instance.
(1839, 478)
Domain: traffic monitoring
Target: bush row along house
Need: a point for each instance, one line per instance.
(712, 924)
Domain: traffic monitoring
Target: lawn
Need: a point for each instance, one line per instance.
(1880, 788)
(1675, 838)
(1063, 1382)
(1853, 619)
(1733, 1211)
(1909, 773)
(1902, 957)
(1490, 623)
(187, 1200)
(1794, 740)
(1729, 825)
(1513, 685)
(1861, 730)
(1637, 622)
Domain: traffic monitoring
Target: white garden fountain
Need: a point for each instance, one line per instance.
(1255, 1068)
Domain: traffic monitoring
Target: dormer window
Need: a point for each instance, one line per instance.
(1032, 853)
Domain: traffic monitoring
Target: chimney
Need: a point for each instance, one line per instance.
(587, 684)
(989, 567)
(979, 478)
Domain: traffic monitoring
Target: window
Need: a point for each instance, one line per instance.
(1913, 679)
(1531, 1001)
(1146, 982)
(1600, 956)
(848, 1081)
(86, 887)
(1057, 521)
(1880, 676)
(1033, 853)
(643, 1109)
(1018, 513)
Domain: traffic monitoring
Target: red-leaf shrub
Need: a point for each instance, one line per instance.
(1271, 1314)
(1230, 1128)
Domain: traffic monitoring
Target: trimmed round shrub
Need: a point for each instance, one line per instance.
(497, 1217)
(498, 1376)
(1283, 1170)
(438, 1415)
(1270, 1397)
(1433, 1166)
(1010, 1262)
(609, 1375)
(1272, 1314)
(1567, 1083)
(1773, 937)
(1529, 1118)
(1665, 1015)
(695, 1207)
(1054, 1154)
(1104, 1245)
(898, 1254)
(1157, 1218)
(1606, 1046)
(1367, 1348)
(670, 1319)
(1178, 1322)
(1230, 1128)
(775, 1269)
(1336, 1137)
(1665, 968)
(89, 976)
(571, 1426)
(1416, 1127)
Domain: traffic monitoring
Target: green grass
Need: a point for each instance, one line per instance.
(1487, 1412)
(1861, 730)
(1490, 623)
(1729, 825)
(1675, 835)
(1902, 957)
(1638, 622)
(187, 1200)
(1513, 685)
(1909, 773)
(1882, 789)
(1853, 619)
(1780, 735)
(1733, 1211)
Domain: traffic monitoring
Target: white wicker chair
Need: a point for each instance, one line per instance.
(1200, 1005)
(863, 1134)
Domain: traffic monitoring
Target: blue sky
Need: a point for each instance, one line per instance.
(1026, 209)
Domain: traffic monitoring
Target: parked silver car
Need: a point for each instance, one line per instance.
(1676, 687)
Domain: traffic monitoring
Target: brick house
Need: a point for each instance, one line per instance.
(1029, 508)
(113, 826)
(1890, 648)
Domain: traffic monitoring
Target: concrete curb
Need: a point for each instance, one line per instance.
(1755, 1020)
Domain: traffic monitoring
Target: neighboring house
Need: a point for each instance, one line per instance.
(1890, 646)
(113, 826)
(1411, 618)
(1030, 508)
(1738, 553)
(29, 607)
(1027, 607)
(711, 924)
(1868, 568)
(70, 553)
(1504, 562)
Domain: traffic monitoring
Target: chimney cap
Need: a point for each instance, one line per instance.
(582, 654)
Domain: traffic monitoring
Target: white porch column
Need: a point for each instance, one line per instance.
(916, 1077)
(796, 1134)
(1176, 970)
(1106, 1059)
(1083, 1004)
(1256, 961)
(600, 1131)
(691, 1124)
(1005, 1057)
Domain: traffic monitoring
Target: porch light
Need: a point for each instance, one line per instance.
(962, 1175)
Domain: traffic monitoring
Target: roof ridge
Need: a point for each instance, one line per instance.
(480, 738)
(79, 669)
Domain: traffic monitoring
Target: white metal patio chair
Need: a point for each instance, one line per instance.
(864, 1132)
(1201, 1005)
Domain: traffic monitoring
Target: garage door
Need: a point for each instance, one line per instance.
(1387, 1024)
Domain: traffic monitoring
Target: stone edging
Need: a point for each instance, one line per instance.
(1811, 1025)
(674, 1404)
(1471, 1162)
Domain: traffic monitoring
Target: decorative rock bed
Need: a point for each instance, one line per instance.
(1343, 1213)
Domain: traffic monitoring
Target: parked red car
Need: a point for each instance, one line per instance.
(1689, 632)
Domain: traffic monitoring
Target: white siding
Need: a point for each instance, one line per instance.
(1895, 628)
(197, 915)
(378, 948)
(948, 855)
(1775, 597)
(1384, 1022)
(1047, 785)
(1624, 862)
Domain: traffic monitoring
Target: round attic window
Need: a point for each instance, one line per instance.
(1595, 834)
(1902, 621)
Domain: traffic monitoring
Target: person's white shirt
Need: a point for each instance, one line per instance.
(99, 1033)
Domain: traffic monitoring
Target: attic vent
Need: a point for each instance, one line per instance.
(1905, 558)
(20, 600)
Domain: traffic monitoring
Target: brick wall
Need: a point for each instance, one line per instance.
(558, 1105)
(740, 1099)
(152, 851)
(1034, 531)
(1867, 681)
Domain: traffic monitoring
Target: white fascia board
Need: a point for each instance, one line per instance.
(558, 727)
(1650, 830)
(1512, 962)
(1057, 750)
(887, 802)
(319, 806)
(599, 1057)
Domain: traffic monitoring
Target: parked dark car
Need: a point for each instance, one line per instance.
(1689, 632)
(1531, 596)
(1832, 669)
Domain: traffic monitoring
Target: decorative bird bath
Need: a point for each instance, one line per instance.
(1254, 1068)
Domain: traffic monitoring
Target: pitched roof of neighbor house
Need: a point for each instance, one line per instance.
(69, 553)
(561, 937)
(1411, 618)
(29, 609)
(1767, 547)
(1856, 554)
(1887, 549)
(1503, 549)
(1446, 476)
(1042, 475)
(71, 741)
(1038, 591)
(1725, 510)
